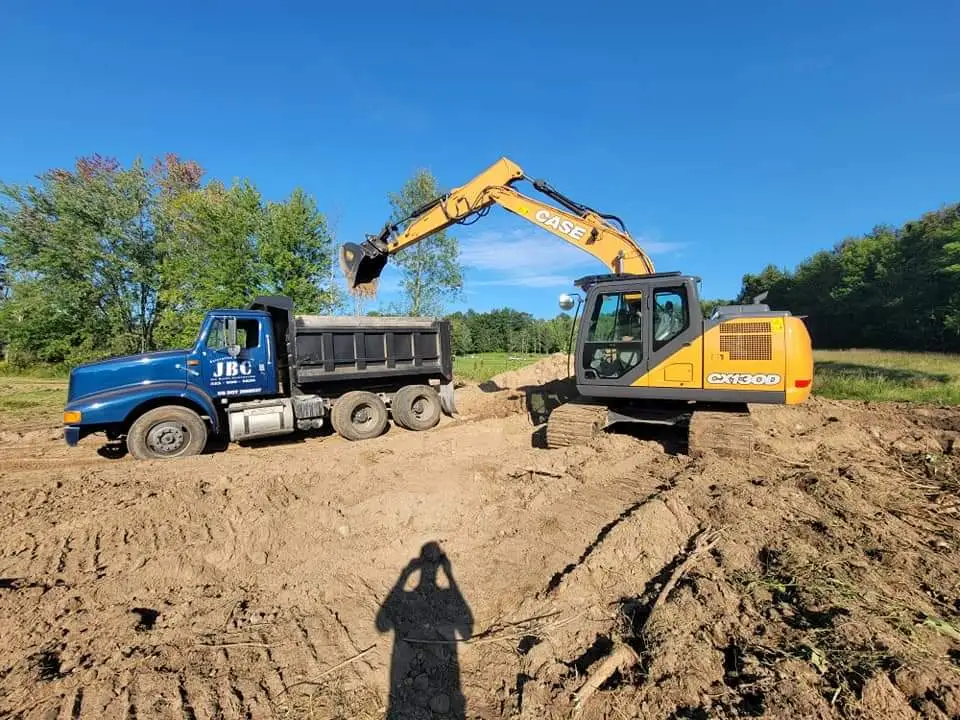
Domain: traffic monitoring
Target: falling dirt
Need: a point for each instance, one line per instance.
(273, 580)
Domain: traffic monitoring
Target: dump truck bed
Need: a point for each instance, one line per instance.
(333, 353)
(374, 347)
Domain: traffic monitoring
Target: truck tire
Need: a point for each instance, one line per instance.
(167, 432)
(359, 415)
(416, 407)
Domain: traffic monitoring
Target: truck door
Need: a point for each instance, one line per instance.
(675, 359)
(248, 367)
(612, 336)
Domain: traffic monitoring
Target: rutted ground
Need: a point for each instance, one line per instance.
(252, 582)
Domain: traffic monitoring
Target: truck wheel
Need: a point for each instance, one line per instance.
(167, 432)
(359, 415)
(416, 407)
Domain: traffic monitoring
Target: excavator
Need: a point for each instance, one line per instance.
(644, 351)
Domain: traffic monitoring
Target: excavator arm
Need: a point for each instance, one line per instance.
(603, 236)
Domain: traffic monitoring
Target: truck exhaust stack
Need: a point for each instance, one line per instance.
(362, 267)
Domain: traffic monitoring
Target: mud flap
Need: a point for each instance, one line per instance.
(446, 399)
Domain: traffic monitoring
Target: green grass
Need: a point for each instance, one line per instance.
(483, 366)
(25, 398)
(879, 375)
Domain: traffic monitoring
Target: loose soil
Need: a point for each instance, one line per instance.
(273, 580)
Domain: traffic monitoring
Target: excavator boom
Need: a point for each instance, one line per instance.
(603, 236)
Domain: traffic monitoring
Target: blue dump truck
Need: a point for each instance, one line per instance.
(264, 371)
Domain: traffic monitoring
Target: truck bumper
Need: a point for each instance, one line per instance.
(71, 433)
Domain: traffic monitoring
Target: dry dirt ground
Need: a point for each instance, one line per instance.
(466, 572)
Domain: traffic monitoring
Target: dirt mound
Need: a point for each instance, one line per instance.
(552, 367)
(319, 577)
(533, 390)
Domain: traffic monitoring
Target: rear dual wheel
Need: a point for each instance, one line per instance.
(416, 407)
(359, 415)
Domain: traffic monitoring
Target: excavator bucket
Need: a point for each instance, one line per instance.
(361, 267)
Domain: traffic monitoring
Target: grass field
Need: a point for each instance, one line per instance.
(483, 366)
(31, 398)
(885, 375)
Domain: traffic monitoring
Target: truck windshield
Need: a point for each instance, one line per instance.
(248, 333)
(217, 337)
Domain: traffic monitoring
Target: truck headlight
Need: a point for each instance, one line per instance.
(71, 417)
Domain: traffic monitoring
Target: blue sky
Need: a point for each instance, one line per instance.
(726, 135)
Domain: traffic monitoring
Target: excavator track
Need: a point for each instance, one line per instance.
(575, 423)
(728, 434)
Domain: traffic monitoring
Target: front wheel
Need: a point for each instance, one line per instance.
(167, 432)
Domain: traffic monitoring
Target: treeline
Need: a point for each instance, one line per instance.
(101, 260)
(893, 288)
(508, 330)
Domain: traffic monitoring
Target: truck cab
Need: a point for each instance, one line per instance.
(263, 371)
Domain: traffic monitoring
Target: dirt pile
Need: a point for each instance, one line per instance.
(553, 367)
(532, 390)
(317, 577)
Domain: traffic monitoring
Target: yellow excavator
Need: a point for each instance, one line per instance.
(644, 351)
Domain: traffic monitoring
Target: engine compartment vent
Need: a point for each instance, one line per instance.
(747, 340)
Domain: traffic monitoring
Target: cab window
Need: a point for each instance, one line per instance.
(671, 315)
(248, 333)
(217, 337)
(616, 318)
(614, 343)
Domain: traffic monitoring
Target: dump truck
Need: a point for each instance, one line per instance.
(264, 371)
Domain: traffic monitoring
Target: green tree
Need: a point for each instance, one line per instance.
(103, 260)
(210, 258)
(430, 271)
(83, 261)
(296, 252)
(460, 334)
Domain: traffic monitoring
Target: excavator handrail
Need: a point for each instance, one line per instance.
(580, 225)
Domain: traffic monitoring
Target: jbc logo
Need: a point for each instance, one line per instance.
(232, 368)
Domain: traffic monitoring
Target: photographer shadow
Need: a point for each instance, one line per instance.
(426, 620)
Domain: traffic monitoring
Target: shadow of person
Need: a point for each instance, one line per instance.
(424, 667)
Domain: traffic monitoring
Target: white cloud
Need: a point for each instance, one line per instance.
(534, 259)
(527, 280)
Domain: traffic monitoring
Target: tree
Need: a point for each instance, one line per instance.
(210, 257)
(890, 288)
(83, 261)
(460, 334)
(103, 260)
(295, 251)
(430, 271)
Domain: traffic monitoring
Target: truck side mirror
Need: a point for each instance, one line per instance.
(233, 349)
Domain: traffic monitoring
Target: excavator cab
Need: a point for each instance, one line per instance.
(633, 324)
